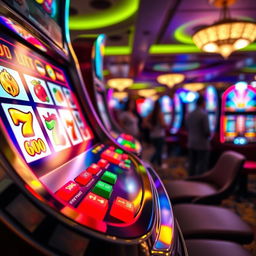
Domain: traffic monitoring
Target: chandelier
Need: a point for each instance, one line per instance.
(194, 86)
(226, 35)
(170, 79)
(120, 83)
(147, 93)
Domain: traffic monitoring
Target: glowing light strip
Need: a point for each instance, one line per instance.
(66, 21)
(121, 11)
(164, 49)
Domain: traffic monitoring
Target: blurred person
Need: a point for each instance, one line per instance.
(197, 124)
(129, 119)
(155, 122)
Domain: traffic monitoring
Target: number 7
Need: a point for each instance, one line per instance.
(25, 118)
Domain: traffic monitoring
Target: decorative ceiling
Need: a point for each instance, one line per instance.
(146, 38)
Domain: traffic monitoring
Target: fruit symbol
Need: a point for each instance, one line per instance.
(58, 95)
(40, 91)
(52, 124)
(9, 83)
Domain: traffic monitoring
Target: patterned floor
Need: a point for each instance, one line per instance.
(174, 167)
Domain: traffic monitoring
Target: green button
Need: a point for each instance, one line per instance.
(127, 165)
(103, 189)
(109, 177)
(127, 161)
(119, 151)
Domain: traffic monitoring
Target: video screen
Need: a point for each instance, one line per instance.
(230, 124)
(144, 106)
(45, 14)
(250, 124)
(39, 110)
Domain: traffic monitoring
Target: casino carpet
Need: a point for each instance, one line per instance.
(174, 167)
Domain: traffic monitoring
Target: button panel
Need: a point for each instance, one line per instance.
(93, 190)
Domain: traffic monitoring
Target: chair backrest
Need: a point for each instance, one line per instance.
(227, 169)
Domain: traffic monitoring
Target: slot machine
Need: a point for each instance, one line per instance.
(90, 53)
(238, 120)
(211, 106)
(167, 109)
(178, 114)
(144, 106)
(66, 188)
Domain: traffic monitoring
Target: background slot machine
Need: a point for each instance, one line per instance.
(178, 114)
(238, 120)
(144, 106)
(65, 187)
(167, 109)
(211, 100)
(90, 53)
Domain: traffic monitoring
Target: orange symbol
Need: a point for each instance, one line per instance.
(26, 119)
(58, 95)
(9, 83)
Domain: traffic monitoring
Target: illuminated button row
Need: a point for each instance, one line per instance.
(96, 207)
(95, 203)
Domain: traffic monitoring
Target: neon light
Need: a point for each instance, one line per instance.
(66, 21)
(173, 48)
(118, 50)
(137, 86)
(99, 48)
(120, 11)
(181, 36)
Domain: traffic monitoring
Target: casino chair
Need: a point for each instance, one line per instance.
(199, 221)
(210, 187)
(202, 247)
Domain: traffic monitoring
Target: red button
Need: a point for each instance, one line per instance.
(111, 156)
(127, 137)
(102, 163)
(125, 156)
(84, 178)
(94, 206)
(112, 148)
(94, 169)
(122, 209)
(68, 191)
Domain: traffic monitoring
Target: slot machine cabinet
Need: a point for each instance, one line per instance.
(212, 107)
(238, 120)
(65, 187)
(238, 115)
(167, 109)
(90, 52)
(178, 114)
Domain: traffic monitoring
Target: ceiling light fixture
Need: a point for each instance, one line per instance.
(120, 83)
(226, 35)
(170, 79)
(147, 93)
(120, 95)
(194, 86)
